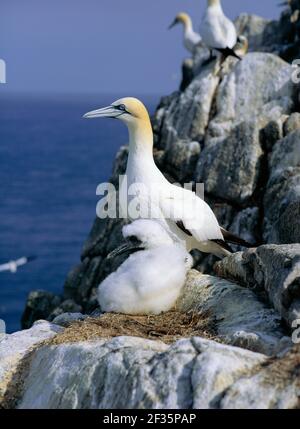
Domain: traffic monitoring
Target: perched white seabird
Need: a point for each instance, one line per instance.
(241, 47)
(151, 279)
(191, 39)
(13, 266)
(217, 31)
(185, 215)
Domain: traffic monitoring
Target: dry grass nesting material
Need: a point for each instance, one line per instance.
(167, 327)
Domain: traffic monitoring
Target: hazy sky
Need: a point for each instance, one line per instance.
(112, 46)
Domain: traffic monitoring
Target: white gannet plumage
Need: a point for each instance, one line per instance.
(13, 266)
(184, 214)
(151, 279)
(217, 31)
(191, 39)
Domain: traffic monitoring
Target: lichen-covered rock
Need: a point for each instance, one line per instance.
(257, 90)
(66, 319)
(292, 123)
(134, 373)
(187, 115)
(14, 347)
(182, 160)
(279, 37)
(246, 224)
(240, 317)
(273, 269)
(275, 386)
(229, 167)
(282, 198)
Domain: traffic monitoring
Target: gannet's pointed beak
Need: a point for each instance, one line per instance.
(284, 3)
(124, 248)
(173, 24)
(106, 112)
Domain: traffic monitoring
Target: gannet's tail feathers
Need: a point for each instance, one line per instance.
(234, 239)
(228, 52)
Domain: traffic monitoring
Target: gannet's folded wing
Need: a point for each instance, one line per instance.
(197, 218)
(228, 30)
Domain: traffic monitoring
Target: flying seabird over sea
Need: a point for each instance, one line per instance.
(13, 266)
(217, 31)
(191, 39)
(151, 279)
(184, 213)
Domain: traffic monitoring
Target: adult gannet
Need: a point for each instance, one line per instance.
(13, 266)
(217, 31)
(186, 216)
(151, 279)
(191, 39)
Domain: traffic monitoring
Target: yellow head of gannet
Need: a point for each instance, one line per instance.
(191, 40)
(181, 18)
(134, 114)
(127, 109)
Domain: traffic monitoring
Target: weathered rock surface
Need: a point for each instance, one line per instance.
(258, 89)
(14, 347)
(237, 129)
(133, 373)
(282, 198)
(279, 37)
(240, 317)
(272, 269)
(275, 386)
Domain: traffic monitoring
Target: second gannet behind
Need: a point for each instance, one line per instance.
(191, 39)
(242, 46)
(217, 31)
(185, 215)
(151, 279)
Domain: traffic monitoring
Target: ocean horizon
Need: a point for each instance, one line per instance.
(51, 161)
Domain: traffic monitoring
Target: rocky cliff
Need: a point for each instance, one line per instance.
(237, 130)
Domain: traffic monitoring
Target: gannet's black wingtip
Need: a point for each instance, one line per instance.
(31, 258)
(224, 245)
(234, 239)
(228, 52)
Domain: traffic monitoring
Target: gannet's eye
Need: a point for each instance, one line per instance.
(121, 107)
(133, 240)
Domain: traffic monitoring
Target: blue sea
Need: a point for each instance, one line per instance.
(51, 161)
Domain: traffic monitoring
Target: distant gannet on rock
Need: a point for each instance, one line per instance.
(191, 39)
(13, 266)
(241, 47)
(295, 12)
(151, 279)
(184, 214)
(217, 31)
